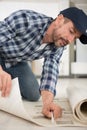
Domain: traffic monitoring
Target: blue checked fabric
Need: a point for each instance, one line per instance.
(21, 36)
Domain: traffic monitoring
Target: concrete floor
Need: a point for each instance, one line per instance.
(10, 122)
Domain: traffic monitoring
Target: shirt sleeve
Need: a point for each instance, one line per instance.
(50, 71)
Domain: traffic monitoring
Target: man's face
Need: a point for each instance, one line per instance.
(65, 34)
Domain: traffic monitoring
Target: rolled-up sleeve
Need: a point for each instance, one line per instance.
(50, 71)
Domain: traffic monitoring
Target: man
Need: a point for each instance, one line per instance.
(27, 35)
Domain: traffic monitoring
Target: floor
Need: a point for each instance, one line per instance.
(10, 122)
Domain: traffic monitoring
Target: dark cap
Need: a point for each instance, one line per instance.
(79, 18)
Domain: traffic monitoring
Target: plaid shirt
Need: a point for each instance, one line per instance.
(20, 39)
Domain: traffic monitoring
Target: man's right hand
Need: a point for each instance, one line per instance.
(5, 83)
(49, 106)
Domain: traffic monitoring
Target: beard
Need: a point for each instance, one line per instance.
(59, 40)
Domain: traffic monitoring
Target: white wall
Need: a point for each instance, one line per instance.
(6, 7)
(79, 67)
(49, 7)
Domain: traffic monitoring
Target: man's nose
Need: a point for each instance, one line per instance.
(71, 38)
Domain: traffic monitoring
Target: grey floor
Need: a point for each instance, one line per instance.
(10, 122)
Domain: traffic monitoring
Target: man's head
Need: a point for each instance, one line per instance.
(69, 25)
(64, 31)
(79, 19)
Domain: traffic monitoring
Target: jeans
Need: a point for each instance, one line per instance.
(29, 86)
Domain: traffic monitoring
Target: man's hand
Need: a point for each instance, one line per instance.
(47, 109)
(5, 83)
(49, 106)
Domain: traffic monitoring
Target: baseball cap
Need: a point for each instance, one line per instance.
(79, 18)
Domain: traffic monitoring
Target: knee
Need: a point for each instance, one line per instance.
(31, 97)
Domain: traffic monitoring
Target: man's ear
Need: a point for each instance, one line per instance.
(60, 18)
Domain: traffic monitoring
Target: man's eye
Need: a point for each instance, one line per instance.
(72, 32)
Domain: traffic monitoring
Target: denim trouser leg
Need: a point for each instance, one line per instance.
(29, 86)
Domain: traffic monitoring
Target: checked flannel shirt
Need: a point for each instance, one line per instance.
(21, 36)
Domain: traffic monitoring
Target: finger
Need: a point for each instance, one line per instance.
(46, 112)
(3, 85)
(57, 112)
(8, 88)
(0, 84)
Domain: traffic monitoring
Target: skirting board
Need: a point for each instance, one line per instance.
(79, 68)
